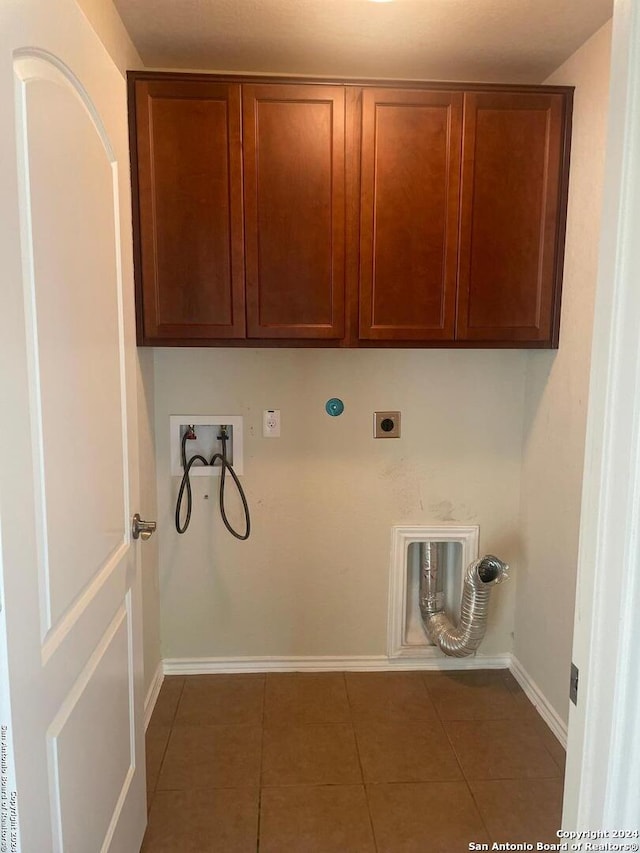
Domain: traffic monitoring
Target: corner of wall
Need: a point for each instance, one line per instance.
(107, 23)
(556, 400)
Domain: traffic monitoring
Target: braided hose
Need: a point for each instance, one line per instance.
(464, 639)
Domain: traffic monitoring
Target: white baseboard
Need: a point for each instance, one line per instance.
(207, 666)
(152, 694)
(537, 697)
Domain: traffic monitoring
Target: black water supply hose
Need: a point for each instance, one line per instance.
(185, 485)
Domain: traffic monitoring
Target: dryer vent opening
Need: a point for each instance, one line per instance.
(480, 576)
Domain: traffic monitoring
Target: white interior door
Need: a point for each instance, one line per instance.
(70, 614)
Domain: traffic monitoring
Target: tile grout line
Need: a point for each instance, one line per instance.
(166, 746)
(151, 795)
(364, 785)
(264, 703)
(459, 763)
(478, 809)
(175, 713)
(516, 690)
(520, 721)
(390, 783)
(532, 726)
(519, 718)
(561, 770)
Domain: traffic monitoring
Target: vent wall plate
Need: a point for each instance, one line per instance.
(406, 637)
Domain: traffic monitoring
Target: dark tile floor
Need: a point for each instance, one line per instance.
(356, 762)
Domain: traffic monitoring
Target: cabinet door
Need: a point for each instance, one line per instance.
(294, 203)
(512, 217)
(189, 174)
(410, 180)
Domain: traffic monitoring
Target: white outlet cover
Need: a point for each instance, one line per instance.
(271, 423)
(178, 421)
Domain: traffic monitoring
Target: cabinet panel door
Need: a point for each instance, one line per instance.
(294, 203)
(190, 264)
(411, 142)
(510, 248)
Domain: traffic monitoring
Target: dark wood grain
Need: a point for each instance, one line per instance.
(513, 145)
(353, 137)
(363, 223)
(190, 209)
(409, 214)
(294, 204)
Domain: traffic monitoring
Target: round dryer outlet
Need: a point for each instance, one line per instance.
(386, 424)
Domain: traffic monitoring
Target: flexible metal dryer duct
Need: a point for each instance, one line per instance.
(480, 576)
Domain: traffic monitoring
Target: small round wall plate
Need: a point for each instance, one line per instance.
(334, 407)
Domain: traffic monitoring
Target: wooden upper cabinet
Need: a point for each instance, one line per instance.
(294, 210)
(410, 183)
(309, 213)
(512, 218)
(189, 235)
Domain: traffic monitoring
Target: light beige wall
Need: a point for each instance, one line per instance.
(556, 400)
(106, 21)
(313, 578)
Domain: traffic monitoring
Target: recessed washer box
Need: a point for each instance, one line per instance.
(207, 429)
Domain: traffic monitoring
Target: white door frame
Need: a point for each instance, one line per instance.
(602, 789)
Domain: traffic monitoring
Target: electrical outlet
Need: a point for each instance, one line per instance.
(386, 424)
(271, 423)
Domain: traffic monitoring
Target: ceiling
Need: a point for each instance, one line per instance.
(489, 40)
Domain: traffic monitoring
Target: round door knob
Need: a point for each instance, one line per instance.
(142, 529)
